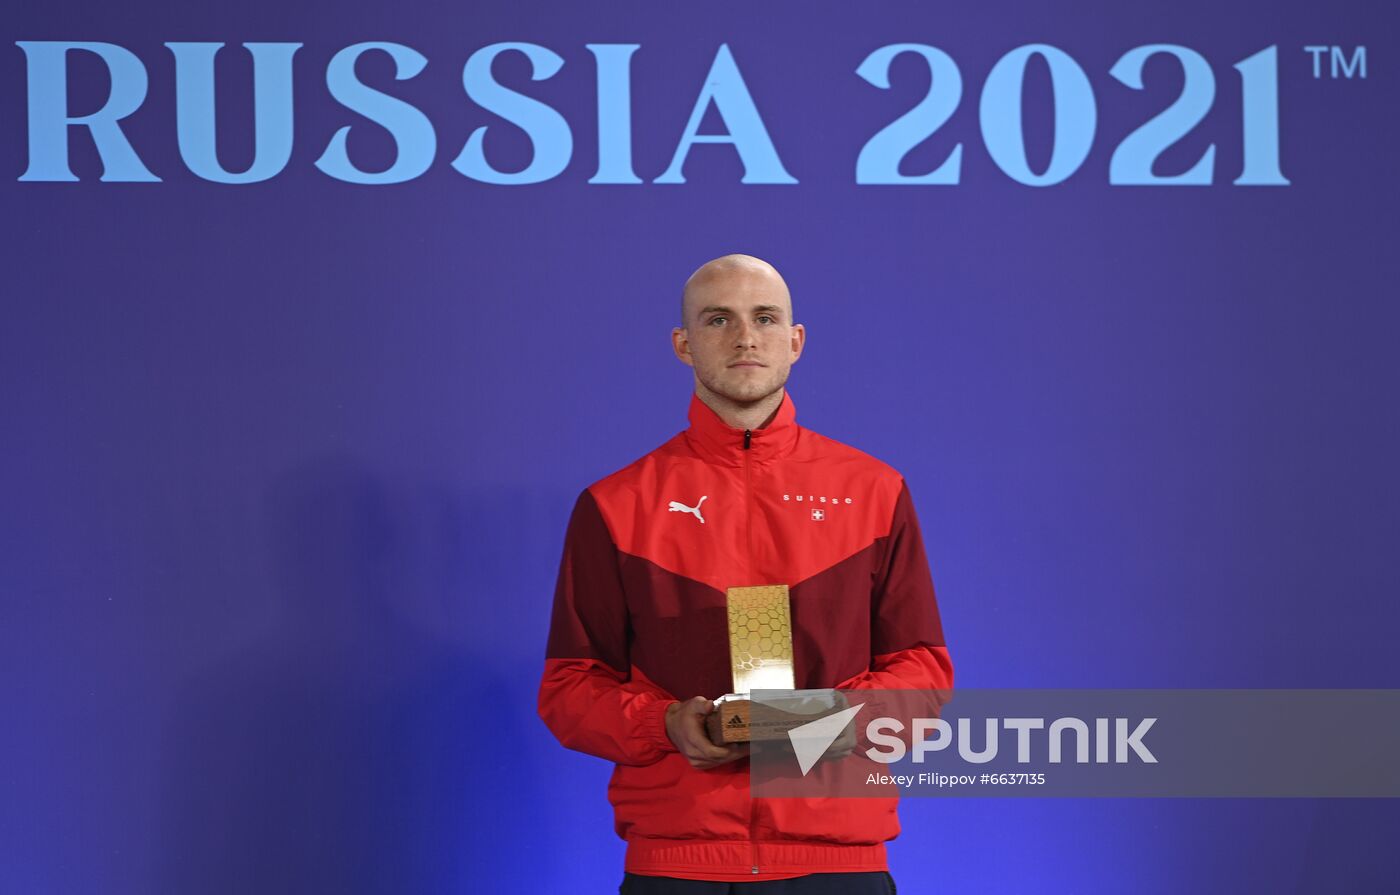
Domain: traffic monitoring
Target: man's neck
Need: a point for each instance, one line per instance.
(755, 415)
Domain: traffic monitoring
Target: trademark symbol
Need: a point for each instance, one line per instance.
(1341, 66)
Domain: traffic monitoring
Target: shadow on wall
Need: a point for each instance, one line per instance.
(348, 751)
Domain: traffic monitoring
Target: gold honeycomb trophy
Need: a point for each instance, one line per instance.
(760, 656)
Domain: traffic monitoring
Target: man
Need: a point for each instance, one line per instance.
(639, 634)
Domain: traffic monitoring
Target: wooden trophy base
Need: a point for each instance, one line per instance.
(738, 719)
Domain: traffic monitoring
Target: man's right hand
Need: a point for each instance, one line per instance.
(685, 725)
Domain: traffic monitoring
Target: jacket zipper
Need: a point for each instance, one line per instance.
(748, 505)
(748, 559)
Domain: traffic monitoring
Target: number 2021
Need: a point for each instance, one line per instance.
(1076, 118)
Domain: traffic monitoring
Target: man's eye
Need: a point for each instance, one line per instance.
(714, 320)
(766, 319)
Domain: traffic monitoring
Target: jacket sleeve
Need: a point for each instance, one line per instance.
(908, 652)
(588, 696)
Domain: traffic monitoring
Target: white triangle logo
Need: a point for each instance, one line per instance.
(811, 740)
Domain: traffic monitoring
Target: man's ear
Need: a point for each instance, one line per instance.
(680, 343)
(799, 339)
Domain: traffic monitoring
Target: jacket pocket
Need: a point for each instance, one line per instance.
(671, 800)
(831, 820)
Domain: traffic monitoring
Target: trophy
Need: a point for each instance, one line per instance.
(760, 656)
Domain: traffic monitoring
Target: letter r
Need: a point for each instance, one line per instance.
(49, 119)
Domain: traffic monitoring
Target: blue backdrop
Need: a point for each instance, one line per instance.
(287, 462)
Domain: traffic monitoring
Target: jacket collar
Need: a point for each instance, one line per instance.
(718, 442)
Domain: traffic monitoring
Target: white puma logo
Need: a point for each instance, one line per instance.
(678, 507)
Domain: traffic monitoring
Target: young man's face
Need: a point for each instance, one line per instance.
(738, 333)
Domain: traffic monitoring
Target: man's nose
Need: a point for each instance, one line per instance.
(745, 334)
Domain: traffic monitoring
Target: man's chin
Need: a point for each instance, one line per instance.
(749, 393)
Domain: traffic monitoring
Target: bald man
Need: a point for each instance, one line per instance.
(738, 335)
(638, 642)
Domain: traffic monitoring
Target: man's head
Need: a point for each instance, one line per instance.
(736, 329)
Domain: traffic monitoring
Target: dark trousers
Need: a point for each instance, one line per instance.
(875, 883)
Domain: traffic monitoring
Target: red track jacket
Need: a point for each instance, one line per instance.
(639, 622)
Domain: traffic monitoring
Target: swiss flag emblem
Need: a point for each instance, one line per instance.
(818, 515)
